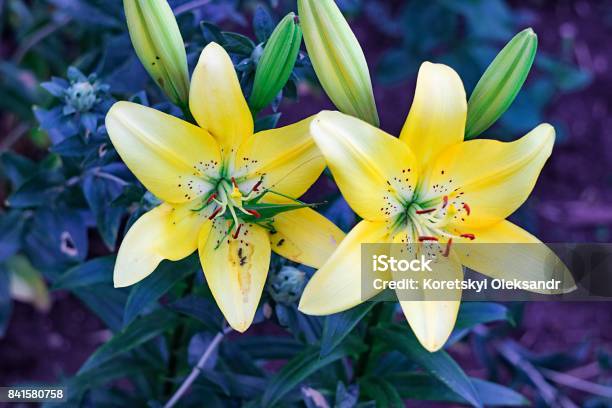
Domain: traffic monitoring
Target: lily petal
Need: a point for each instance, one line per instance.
(285, 160)
(236, 270)
(375, 172)
(305, 236)
(518, 255)
(494, 186)
(172, 158)
(216, 100)
(337, 286)
(438, 113)
(165, 232)
(432, 321)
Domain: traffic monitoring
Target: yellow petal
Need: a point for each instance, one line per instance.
(337, 286)
(165, 232)
(172, 158)
(236, 270)
(375, 172)
(305, 236)
(506, 251)
(493, 178)
(432, 321)
(286, 159)
(437, 116)
(216, 100)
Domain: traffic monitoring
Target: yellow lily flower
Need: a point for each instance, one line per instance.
(428, 185)
(211, 178)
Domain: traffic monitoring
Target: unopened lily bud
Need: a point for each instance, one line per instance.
(501, 82)
(276, 62)
(159, 45)
(286, 285)
(338, 59)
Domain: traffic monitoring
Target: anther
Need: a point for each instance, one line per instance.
(467, 208)
(212, 197)
(256, 186)
(425, 211)
(234, 182)
(448, 247)
(427, 238)
(471, 237)
(214, 214)
(254, 213)
(444, 201)
(237, 231)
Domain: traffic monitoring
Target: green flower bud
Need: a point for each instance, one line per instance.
(500, 83)
(338, 59)
(276, 63)
(286, 285)
(159, 45)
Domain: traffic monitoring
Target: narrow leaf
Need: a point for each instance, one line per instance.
(339, 325)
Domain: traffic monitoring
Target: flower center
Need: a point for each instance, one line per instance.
(430, 221)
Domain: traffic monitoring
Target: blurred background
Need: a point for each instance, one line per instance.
(46, 334)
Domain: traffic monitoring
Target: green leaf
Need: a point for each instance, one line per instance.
(6, 303)
(104, 301)
(296, 371)
(269, 347)
(474, 313)
(501, 83)
(237, 44)
(156, 285)
(101, 375)
(201, 309)
(382, 391)
(424, 387)
(263, 25)
(98, 270)
(267, 122)
(339, 325)
(134, 335)
(438, 364)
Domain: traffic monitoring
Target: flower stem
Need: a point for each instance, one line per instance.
(199, 367)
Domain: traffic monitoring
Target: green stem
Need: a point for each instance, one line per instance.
(375, 318)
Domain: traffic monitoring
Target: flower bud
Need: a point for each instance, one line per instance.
(337, 59)
(501, 82)
(286, 285)
(276, 63)
(159, 45)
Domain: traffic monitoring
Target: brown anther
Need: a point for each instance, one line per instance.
(471, 237)
(214, 214)
(425, 211)
(427, 238)
(444, 201)
(237, 231)
(234, 182)
(256, 186)
(467, 208)
(448, 247)
(254, 213)
(212, 197)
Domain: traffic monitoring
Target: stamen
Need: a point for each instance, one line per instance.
(237, 231)
(256, 186)
(214, 214)
(234, 182)
(448, 246)
(444, 201)
(254, 213)
(427, 238)
(467, 208)
(212, 197)
(471, 237)
(425, 211)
